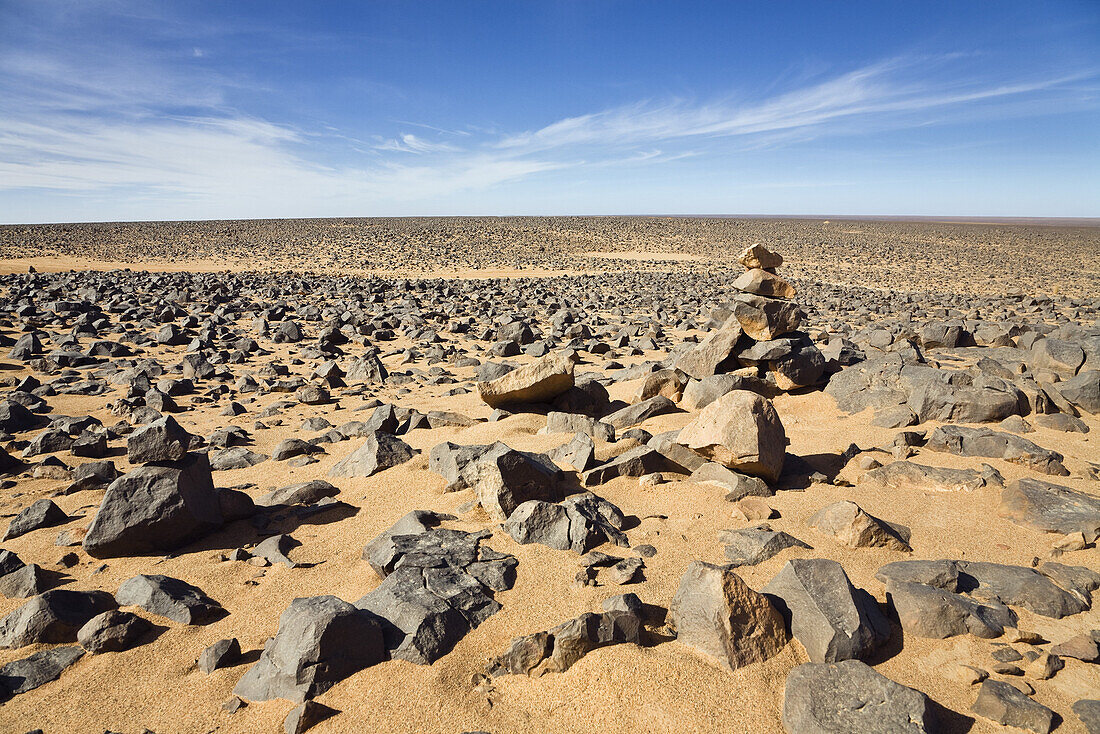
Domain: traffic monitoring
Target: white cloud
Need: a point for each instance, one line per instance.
(106, 130)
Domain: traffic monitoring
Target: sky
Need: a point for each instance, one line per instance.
(145, 110)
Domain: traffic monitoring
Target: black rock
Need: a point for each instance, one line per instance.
(169, 597)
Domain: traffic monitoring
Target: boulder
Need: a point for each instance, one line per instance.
(756, 544)
(112, 631)
(850, 696)
(848, 523)
(440, 588)
(20, 676)
(636, 462)
(539, 382)
(712, 355)
(507, 478)
(1004, 704)
(963, 441)
(637, 413)
(926, 611)
(832, 619)
(736, 484)
(168, 597)
(763, 318)
(302, 493)
(162, 440)
(758, 256)
(763, 283)
(579, 523)
(1051, 508)
(235, 457)
(382, 553)
(742, 431)
(377, 453)
(53, 616)
(910, 475)
(40, 514)
(456, 464)
(321, 641)
(155, 508)
(1082, 391)
(557, 649)
(717, 613)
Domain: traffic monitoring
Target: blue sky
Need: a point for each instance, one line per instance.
(202, 110)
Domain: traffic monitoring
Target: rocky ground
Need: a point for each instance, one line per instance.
(677, 483)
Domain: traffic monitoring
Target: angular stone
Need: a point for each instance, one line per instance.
(714, 354)
(305, 716)
(763, 283)
(736, 484)
(1052, 508)
(716, 612)
(636, 462)
(53, 616)
(753, 545)
(288, 448)
(742, 431)
(162, 440)
(112, 631)
(221, 654)
(925, 611)
(377, 453)
(40, 514)
(382, 553)
(850, 525)
(579, 523)
(1083, 391)
(765, 319)
(758, 256)
(580, 453)
(558, 422)
(539, 382)
(26, 581)
(832, 619)
(235, 457)
(506, 478)
(1019, 586)
(169, 597)
(848, 697)
(20, 676)
(1088, 711)
(155, 508)
(557, 649)
(637, 413)
(457, 464)
(321, 641)
(963, 441)
(910, 475)
(302, 493)
(1004, 704)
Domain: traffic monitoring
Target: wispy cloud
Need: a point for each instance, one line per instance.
(95, 124)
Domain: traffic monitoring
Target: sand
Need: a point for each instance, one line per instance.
(664, 688)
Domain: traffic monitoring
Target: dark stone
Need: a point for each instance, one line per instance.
(169, 597)
(849, 696)
(155, 508)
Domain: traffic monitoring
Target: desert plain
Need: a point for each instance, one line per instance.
(568, 474)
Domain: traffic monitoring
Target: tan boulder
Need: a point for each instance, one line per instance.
(758, 256)
(717, 613)
(850, 525)
(539, 382)
(764, 318)
(704, 358)
(742, 431)
(763, 283)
